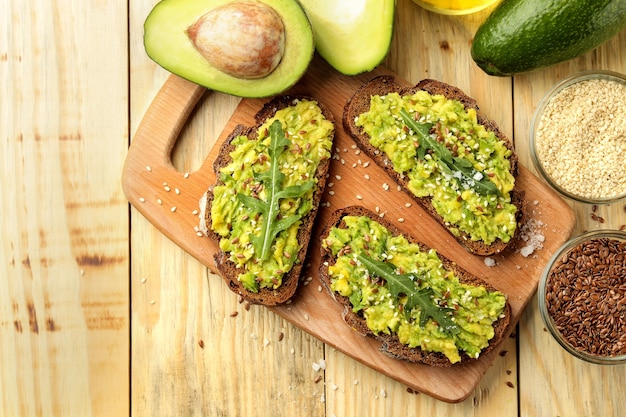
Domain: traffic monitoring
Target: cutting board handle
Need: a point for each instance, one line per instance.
(165, 118)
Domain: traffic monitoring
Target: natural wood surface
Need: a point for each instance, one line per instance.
(169, 200)
(101, 314)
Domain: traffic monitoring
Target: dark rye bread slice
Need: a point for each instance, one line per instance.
(360, 103)
(390, 343)
(227, 268)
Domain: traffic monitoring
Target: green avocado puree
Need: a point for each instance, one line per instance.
(309, 135)
(473, 308)
(483, 217)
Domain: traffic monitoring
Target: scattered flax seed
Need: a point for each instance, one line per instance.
(246, 306)
(510, 384)
(201, 343)
(317, 379)
(281, 336)
(234, 314)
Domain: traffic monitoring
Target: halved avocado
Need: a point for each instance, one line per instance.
(168, 42)
(353, 36)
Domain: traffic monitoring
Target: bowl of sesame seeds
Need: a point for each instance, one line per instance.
(578, 137)
(582, 296)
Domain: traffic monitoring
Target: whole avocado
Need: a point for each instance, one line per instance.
(525, 35)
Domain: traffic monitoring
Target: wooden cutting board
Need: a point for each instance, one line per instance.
(169, 200)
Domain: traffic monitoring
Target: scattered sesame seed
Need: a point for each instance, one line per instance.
(401, 220)
(331, 193)
(176, 190)
(407, 205)
(142, 200)
(159, 202)
(143, 280)
(194, 212)
(173, 209)
(367, 177)
(366, 164)
(338, 177)
(199, 234)
(148, 168)
(186, 175)
(167, 188)
(359, 197)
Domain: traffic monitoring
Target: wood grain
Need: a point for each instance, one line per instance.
(75, 83)
(64, 325)
(150, 181)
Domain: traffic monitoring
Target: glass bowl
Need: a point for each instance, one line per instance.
(575, 150)
(582, 296)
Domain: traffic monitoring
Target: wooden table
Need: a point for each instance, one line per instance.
(101, 315)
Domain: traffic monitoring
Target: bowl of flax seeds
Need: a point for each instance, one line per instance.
(582, 296)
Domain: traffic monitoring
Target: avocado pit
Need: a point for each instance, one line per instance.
(243, 39)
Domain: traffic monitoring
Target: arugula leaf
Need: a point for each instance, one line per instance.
(270, 209)
(450, 164)
(421, 298)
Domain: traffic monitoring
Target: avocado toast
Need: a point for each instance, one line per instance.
(423, 307)
(454, 162)
(270, 179)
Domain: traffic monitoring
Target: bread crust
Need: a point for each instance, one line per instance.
(227, 268)
(390, 344)
(359, 103)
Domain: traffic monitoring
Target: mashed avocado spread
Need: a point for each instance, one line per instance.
(267, 189)
(470, 311)
(470, 185)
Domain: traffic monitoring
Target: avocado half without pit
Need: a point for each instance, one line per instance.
(247, 48)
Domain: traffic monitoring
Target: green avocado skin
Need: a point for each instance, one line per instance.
(525, 35)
